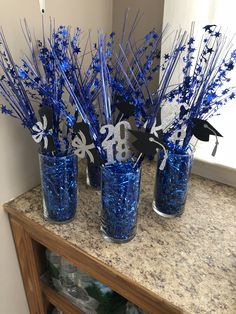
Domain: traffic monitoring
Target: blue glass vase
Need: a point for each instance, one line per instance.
(171, 185)
(93, 175)
(59, 187)
(120, 196)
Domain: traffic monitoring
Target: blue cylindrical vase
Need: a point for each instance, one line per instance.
(93, 175)
(120, 196)
(171, 186)
(59, 177)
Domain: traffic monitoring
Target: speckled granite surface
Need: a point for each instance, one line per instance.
(189, 261)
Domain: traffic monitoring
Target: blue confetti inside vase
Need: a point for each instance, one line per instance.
(171, 186)
(93, 175)
(120, 197)
(59, 177)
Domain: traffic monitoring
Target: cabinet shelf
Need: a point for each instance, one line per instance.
(58, 300)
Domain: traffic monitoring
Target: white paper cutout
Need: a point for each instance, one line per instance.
(122, 136)
(116, 141)
(42, 6)
(81, 147)
(154, 129)
(40, 128)
(163, 163)
(109, 142)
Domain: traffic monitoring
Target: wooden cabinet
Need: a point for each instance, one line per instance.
(31, 239)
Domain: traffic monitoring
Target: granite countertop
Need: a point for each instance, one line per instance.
(189, 261)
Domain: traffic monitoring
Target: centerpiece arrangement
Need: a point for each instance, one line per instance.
(204, 89)
(104, 102)
(105, 143)
(122, 92)
(33, 93)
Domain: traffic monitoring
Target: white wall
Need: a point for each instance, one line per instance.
(18, 158)
(180, 13)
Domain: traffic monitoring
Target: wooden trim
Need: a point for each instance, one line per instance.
(28, 266)
(59, 301)
(131, 290)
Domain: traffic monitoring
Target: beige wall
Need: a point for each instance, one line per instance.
(18, 158)
(152, 14)
(152, 11)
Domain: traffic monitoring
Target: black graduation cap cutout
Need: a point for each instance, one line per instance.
(126, 109)
(203, 129)
(147, 143)
(43, 129)
(84, 145)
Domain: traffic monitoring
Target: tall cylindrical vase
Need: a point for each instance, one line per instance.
(171, 184)
(59, 177)
(93, 175)
(120, 196)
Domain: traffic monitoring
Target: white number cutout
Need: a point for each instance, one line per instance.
(116, 141)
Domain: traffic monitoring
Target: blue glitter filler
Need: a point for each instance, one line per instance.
(93, 173)
(172, 184)
(59, 186)
(120, 196)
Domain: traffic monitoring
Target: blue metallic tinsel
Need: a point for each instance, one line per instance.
(120, 196)
(59, 185)
(172, 183)
(93, 175)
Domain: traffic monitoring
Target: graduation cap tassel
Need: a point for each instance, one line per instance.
(163, 163)
(215, 148)
(216, 143)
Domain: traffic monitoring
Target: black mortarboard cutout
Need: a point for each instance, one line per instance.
(126, 108)
(203, 129)
(87, 147)
(43, 130)
(147, 143)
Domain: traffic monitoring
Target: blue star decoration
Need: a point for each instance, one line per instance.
(4, 110)
(208, 28)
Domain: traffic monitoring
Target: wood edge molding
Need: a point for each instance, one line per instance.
(59, 301)
(139, 295)
(29, 270)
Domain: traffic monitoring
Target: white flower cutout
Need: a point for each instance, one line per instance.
(81, 147)
(41, 132)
